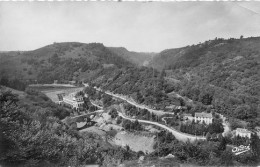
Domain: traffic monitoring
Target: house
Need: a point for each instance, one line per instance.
(188, 117)
(81, 124)
(74, 100)
(243, 132)
(203, 117)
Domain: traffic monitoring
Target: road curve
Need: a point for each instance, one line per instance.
(157, 112)
(178, 135)
(96, 105)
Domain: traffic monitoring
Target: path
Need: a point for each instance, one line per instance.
(53, 85)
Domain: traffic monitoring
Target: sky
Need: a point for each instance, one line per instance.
(137, 26)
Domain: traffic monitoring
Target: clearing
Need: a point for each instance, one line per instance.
(136, 142)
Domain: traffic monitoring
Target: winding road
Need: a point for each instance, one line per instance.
(178, 135)
(157, 112)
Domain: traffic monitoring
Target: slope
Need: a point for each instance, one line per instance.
(138, 58)
(59, 61)
(222, 73)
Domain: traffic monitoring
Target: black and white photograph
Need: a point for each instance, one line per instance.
(129, 83)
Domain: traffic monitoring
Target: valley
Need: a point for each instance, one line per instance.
(193, 103)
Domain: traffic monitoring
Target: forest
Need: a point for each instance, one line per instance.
(34, 135)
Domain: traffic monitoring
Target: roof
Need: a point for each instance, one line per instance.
(81, 124)
(187, 115)
(71, 95)
(241, 130)
(203, 115)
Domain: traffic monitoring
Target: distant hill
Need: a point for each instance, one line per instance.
(222, 72)
(219, 73)
(138, 58)
(210, 51)
(58, 61)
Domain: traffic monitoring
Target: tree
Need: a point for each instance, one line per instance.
(213, 136)
(220, 137)
(226, 158)
(255, 146)
(208, 137)
(222, 145)
(113, 113)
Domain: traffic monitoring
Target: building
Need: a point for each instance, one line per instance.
(243, 132)
(203, 117)
(188, 117)
(74, 100)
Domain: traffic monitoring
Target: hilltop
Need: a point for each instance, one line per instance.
(58, 61)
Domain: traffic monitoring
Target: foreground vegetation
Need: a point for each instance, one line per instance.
(34, 137)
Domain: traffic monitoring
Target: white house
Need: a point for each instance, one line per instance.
(258, 131)
(74, 100)
(243, 132)
(206, 117)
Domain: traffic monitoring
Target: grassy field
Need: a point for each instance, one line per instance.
(52, 92)
(135, 142)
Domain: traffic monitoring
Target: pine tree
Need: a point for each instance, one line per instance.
(223, 144)
(255, 146)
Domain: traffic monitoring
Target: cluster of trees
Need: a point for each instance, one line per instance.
(113, 113)
(35, 100)
(37, 138)
(206, 153)
(222, 100)
(172, 120)
(237, 140)
(202, 128)
(132, 126)
(15, 83)
(93, 94)
(144, 85)
(144, 114)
